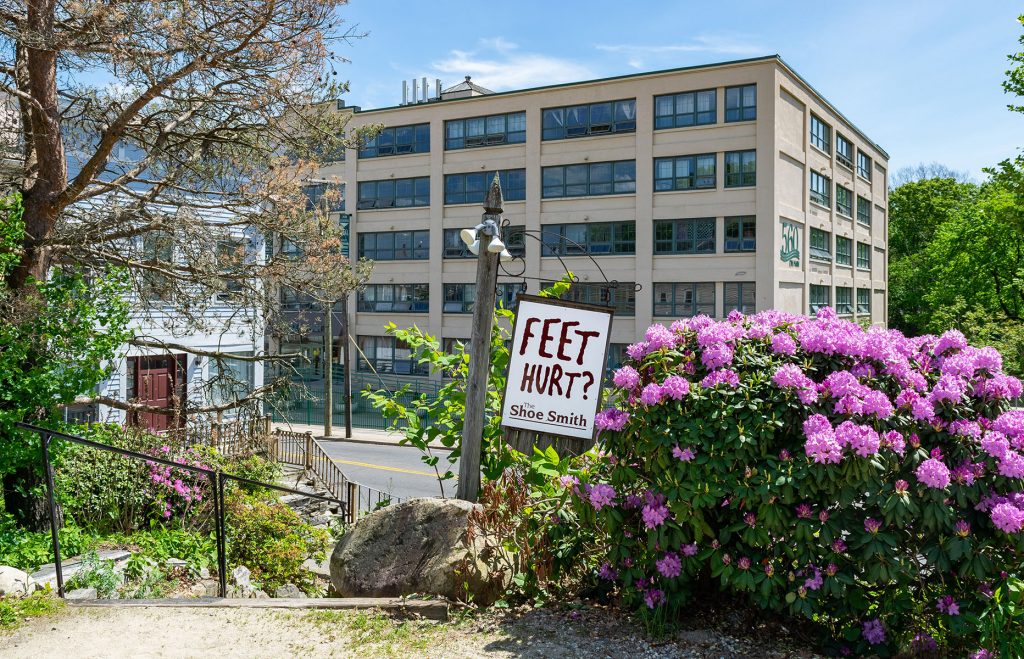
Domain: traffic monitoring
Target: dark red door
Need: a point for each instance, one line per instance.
(157, 380)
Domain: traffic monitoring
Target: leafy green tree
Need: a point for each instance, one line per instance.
(55, 336)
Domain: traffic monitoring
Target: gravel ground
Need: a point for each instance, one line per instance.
(583, 630)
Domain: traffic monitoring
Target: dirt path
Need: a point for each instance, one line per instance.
(223, 633)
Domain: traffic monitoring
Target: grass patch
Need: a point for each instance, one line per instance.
(378, 633)
(14, 611)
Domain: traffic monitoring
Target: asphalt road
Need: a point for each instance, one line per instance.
(395, 470)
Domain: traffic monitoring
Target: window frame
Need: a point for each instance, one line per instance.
(742, 108)
(562, 130)
(844, 156)
(678, 307)
(620, 234)
(621, 297)
(691, 223)
(864, 163)
(419, 199)
(488, 137)
(819, 244)
(844, 302)
(419, 253)
(742, 287)
(371, 344)
(419, 142)
(813, 304)
(417, 301)
(847, 209)
(822, 138)
(463, 195)
(863, 263)
(743, 222)
(864, 218)
(863, 307)
(696, 114)
(741, 178)
(613, 182)
(844, 256)
(455, 293)
(818, 197)
(695, 162)
(453, 247)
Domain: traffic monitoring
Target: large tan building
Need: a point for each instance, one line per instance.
(710, 188)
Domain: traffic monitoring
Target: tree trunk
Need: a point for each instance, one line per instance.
(25, 499)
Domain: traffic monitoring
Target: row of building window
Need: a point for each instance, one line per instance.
(821, 250)
(821, 193)
(821, 137)
(689, 236)
(683, 299)
(819, 298)
(696, 172)
(695, 108)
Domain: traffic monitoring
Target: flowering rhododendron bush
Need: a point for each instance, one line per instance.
(867, 480)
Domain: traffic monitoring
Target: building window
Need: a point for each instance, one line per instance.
(680, 300)
(514, 238)
(844, 251)
(616, 358)
(621, 297)
(819, 297)
(599, 178)
(821, 134)
(741, 234)
(592, 119)
(687, 109)
(394, 193)
(740, 169)
(398, 140)
(294, 301)
(329, 197)
(844, 151)
(396, 298)
(590, 238)
(684, 173)
(864, 301)
(820, 248)
(844, 201)
(863, 256)
(386, 354)
(863, 166)
(864, 211)
(741, 103)
(459, 298)
(395, 245)
(739, 296)
(844, 300)
(485, 131)
(231, 262)
(472, 188)
(821, 189)
(231, 379)
(691, 236)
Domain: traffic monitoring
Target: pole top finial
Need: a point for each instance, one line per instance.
(494, 201)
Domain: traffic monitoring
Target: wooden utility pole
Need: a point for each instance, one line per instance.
(347, 372)
(480, 346)
(328, 370)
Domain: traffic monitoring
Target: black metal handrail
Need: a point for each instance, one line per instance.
(216, 476)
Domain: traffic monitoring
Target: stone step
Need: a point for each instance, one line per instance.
(47, 574)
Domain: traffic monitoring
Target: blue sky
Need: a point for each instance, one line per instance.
(920, 78)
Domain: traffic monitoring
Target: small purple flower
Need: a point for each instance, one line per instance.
(607, 572)
(933, 473)
(601, 495)
(923, 642)
(803, 511)
(783, 344)
(946, 604)
(654, 515)
(637, 351)
(872, 525)
(684, 455)
(689, 550)
(902, 486)
(627, 378)
(743, 563)
(749, 519)
(654, 598)
(962, 528)
(659, 337)
(873, 631)
(1007, 517)
(723, 376)
(675, 387)
(651, 394)
(611, 419)
(769, 569)
(669, 566)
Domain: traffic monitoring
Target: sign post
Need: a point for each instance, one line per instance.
(556, 367)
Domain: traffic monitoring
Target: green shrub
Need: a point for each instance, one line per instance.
(255, 468)
(27, 550)
(272, 541)
(14, 610)
(96, 573)
(861, 479)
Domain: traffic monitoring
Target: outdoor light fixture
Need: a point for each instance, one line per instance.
(505, 256)
(496, 246)
(474, 247)
(469, 235)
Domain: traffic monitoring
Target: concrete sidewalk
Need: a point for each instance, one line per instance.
(359, 435)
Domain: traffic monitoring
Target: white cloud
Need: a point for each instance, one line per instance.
(638, 54)
(498, 64)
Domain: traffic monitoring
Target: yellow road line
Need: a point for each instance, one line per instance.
(369, 465)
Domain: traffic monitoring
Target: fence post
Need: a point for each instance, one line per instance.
(353, 501)
(54, 536)
(308, 461)
(222, 549)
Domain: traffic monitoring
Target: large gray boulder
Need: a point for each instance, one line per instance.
(417, 546)
(14, 582)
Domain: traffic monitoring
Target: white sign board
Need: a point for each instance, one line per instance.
(556, 366)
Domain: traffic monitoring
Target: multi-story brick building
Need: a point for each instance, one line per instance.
(732, 185)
